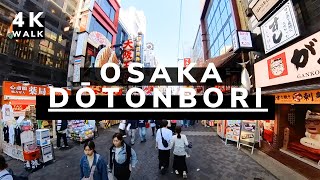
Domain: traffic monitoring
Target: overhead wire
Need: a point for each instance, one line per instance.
(179, 29)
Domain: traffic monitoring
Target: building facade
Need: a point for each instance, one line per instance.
(149, 56)
(96, 29)
(287, 66)
(197, 49)
(42, 61)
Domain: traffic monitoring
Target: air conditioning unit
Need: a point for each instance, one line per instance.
(249, 12)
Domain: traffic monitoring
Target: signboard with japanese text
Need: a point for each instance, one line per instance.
(186, 62)
(98, 90)
(301, 97)
(280, 28)
(300, 61)
(20, 89)
(76, 70)
(245, 40)
(241, 40)
(96, 39)
(262, 7)
(128, 53)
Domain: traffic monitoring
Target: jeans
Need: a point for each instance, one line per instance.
(186, 123)
(142, 133)
(132, 134)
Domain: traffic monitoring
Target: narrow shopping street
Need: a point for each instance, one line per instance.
(210, 159)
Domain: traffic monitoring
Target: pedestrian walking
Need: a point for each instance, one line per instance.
(132, 126)
(158, 124)
(179, 143)
(173, 126)
(92, 165)
(142, 130)
(153, 126)
(122, 158)
(163, 139)
(192, 122)
(122, 128)
(61, 129)
(4, 173)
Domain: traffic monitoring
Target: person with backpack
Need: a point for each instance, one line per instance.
(163, 139)
(92, 165)
(4, 173)
(179, 143)
(122, 158)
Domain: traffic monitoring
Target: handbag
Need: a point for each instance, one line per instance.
(164, 142)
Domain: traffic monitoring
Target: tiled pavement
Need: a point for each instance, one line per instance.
(210, 159)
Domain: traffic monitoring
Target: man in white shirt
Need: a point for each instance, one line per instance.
(164, 149)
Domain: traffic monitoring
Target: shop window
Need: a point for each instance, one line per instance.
(46, 46)
(50, 34)
(62, 40)
(45, 59)
(23, 49)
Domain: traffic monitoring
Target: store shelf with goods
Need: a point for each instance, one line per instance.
(80, 130)
(108, 123)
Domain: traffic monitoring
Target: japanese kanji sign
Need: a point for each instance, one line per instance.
(19, 89)
(186, 62)
(280, 28)
(298, 62)
(301, 97)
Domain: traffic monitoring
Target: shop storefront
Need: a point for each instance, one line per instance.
(292, 76)
(22, 136)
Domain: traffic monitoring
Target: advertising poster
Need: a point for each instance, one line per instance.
(233, 130)
(248, 131)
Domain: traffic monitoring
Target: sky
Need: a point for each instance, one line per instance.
(163, 26)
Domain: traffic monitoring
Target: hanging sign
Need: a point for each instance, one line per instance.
(280, 28)
(262, 7)
(301, 97)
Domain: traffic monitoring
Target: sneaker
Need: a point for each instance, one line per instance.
(163, 170)
(187, 156)
(177, 172)
(67, 146)
(56, 147)
(124, 136)
(185, 175)
(63, 146)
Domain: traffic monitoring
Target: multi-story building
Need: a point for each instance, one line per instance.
(97, 28)
(42, 61)
(197, 49)
(122, 36)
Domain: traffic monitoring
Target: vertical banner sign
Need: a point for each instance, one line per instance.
(76, 70)
(186, 61)
(280, 28)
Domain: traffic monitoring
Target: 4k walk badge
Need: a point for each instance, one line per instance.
(31, 27)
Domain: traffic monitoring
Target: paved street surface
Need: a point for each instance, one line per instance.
(210, 159)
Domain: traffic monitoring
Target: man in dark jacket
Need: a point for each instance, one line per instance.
(132, 130)
(62, 126)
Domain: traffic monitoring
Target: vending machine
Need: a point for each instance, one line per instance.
(43, 140)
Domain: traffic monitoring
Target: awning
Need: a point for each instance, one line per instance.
(291, 89)
(23, 102)
(218, 61)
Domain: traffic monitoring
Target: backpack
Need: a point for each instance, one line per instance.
(112, 155)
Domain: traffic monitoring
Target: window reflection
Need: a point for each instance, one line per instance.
(107, 8)
(96, 26)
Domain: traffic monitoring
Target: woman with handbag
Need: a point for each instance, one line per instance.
(92, 165)
(179, 142)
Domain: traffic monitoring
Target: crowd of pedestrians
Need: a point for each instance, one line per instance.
(122, 158)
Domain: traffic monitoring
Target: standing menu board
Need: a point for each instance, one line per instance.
(233, 130)
(250, 133)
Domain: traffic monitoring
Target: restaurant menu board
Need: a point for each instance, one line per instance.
(233, 130)
(248, 130)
